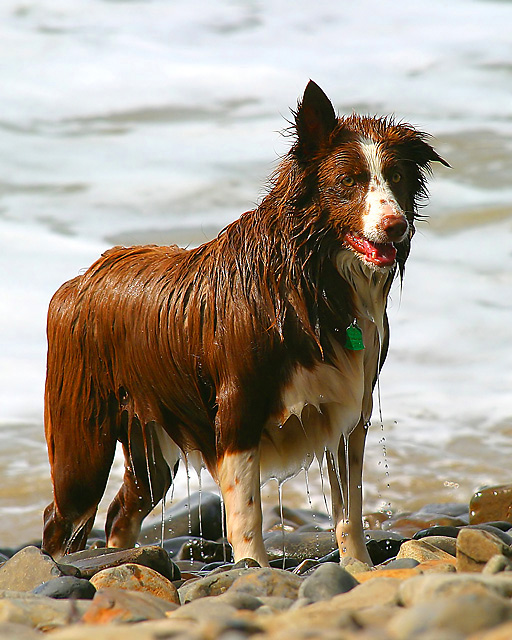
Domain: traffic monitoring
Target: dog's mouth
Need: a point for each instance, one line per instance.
(380, 254)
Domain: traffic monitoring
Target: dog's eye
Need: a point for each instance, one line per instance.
(348, 181)
(396, 177)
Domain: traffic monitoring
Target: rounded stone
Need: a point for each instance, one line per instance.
(135, 577)
(67, 587)
(326, 581)
(491, 503)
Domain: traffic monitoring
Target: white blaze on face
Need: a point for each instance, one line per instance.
(380, 200)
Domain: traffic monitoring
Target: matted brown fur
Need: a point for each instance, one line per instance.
(202, 342)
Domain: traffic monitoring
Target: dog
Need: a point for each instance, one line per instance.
(255, 352)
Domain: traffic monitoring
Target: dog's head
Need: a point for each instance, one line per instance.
(370, 175)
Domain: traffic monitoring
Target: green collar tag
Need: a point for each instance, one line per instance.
(354, 340)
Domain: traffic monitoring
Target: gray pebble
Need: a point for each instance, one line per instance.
(67, 587)
(327, 581)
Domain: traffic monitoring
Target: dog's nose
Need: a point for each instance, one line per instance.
(395, 226)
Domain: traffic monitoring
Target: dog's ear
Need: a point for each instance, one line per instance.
(423, 153)
(314, 121)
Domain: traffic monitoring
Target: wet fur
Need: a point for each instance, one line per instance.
(234, 349)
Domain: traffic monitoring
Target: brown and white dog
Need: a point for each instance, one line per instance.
(258, 350)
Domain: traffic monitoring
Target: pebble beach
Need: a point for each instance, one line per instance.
(443, 572)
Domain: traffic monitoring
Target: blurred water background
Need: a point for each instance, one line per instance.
(134, 121)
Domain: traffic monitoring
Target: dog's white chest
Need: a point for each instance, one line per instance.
(321, 405)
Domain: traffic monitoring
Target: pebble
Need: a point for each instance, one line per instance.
(490, 504)
(120, 605)
(67, 587)
(496, 564)
(184, 520)
(268, 582)
(464, 614)
(423, 551)
(325, 582)
(300, 546)
(29, 568)
(134, 577)
(476, 547)
(91, 561)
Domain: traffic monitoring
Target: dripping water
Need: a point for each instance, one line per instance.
(187, 466)
(313, 514)
(200, 513)
(148, 434)
(280, 499)
(223, 525)
(347, 478)
(382, 441)
(322, 485)
(162, 523)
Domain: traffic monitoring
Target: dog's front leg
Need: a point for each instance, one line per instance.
(239, 481)
(347, 495)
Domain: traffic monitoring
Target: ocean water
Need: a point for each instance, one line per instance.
(129, 121)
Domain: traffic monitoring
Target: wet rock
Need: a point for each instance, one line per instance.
(306, 567)
(437, 531)
(213, 585)
(135, 577)
(205, 551)
(66, 587)
(299, 517)
(246, 563)
(422, 551)
(300, 546)
(284, 563)
(445, 543)
(325, 582)
(3, 558)
(268, 582)
(497, 564)
(409, 525)
(464, 614)
(499, 533)
(119, 605)
(39, 612)
(29, 568)
(399, 563)
(475, 547)
(353, 566)
(202, 519)
(91, 561)
(382, 550)
(491, 503)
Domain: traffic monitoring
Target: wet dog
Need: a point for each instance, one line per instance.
(254, 353)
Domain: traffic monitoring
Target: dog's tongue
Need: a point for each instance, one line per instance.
(381, 254)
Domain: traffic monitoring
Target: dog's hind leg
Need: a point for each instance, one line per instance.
(345, 476)
(80, 463)
(147, 478)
